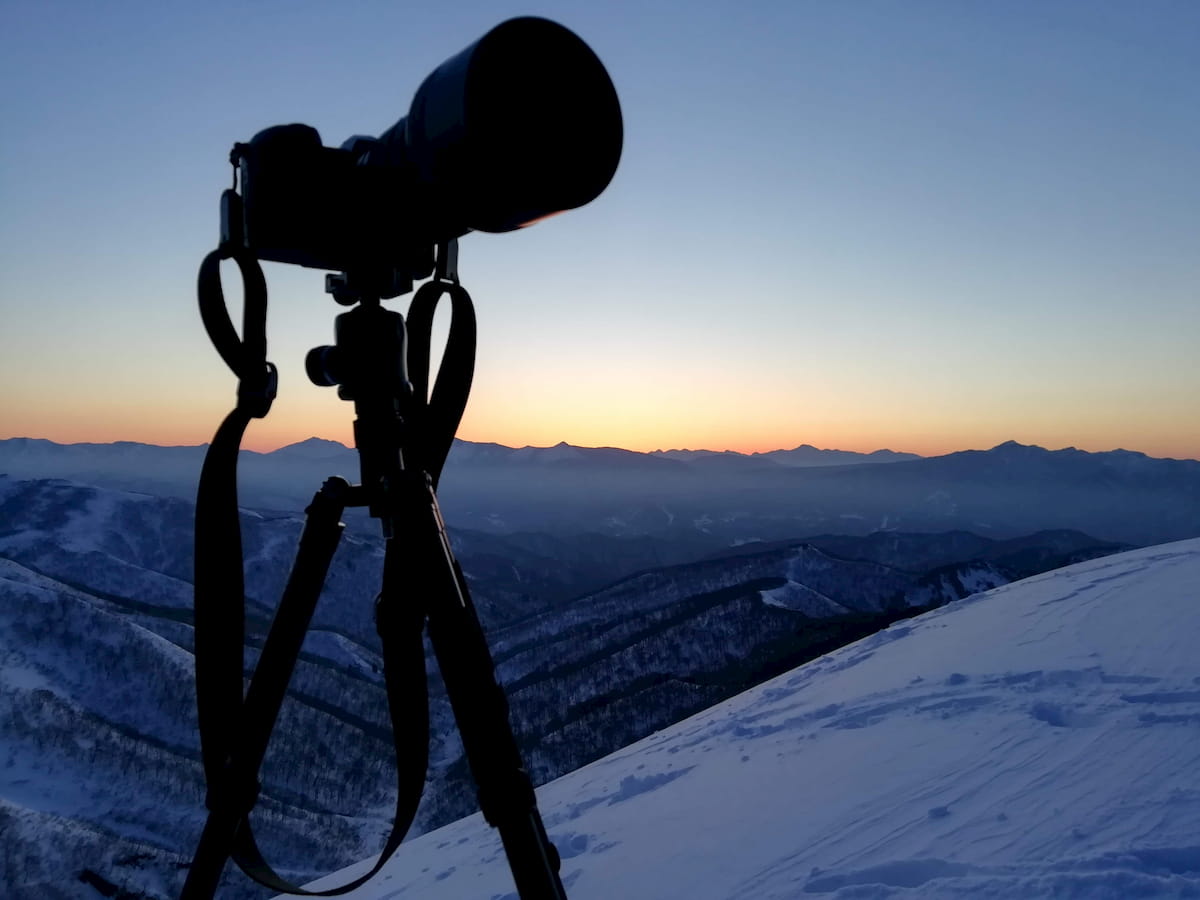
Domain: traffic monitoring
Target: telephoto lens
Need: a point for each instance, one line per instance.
(520, 125)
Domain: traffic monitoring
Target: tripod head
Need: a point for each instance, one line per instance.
(398, 426)
(367, 362)
(368, 357)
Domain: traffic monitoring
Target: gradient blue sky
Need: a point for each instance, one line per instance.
(922, 225)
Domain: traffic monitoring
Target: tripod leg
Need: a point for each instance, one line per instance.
(232, 797)
(506, 794)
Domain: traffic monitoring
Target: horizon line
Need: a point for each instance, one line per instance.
(658, 451)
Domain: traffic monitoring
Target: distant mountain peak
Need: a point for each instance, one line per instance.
(312, 448)
(1013, 447)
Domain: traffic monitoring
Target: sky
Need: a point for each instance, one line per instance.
(928, 226)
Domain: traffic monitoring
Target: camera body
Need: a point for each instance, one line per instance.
(520, 125)
(329, 208)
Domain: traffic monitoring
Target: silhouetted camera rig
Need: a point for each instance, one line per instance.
(522, 124)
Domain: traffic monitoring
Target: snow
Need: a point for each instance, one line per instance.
(979, 580)
(803, 599)
(1037, 740)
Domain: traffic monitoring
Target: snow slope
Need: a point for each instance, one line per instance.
(1041, 739)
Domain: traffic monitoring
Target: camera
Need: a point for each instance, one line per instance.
(522, 124)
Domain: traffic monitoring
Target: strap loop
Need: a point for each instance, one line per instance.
(245, 356)
(439, 412)
(256, 394)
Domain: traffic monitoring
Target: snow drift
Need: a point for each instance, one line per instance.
(1040, 739)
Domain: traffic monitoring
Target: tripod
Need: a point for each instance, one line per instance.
(402, 439)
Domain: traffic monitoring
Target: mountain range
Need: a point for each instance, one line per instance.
(706, 501)
(612, 616)
(97, 711)
(804, 455)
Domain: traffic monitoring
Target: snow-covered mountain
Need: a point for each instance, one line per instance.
(97, 721)
(1036, 740)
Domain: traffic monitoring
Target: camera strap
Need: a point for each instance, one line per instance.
(219, 612)
(219, 604)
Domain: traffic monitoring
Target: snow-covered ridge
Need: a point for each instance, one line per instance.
(1036, 740)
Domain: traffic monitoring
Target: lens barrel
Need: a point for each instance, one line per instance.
(520, 125)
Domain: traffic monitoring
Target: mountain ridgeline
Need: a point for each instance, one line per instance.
(599, 639)
(695, 502)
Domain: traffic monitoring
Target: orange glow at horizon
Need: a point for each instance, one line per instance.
(670, 418)
(265, 437)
